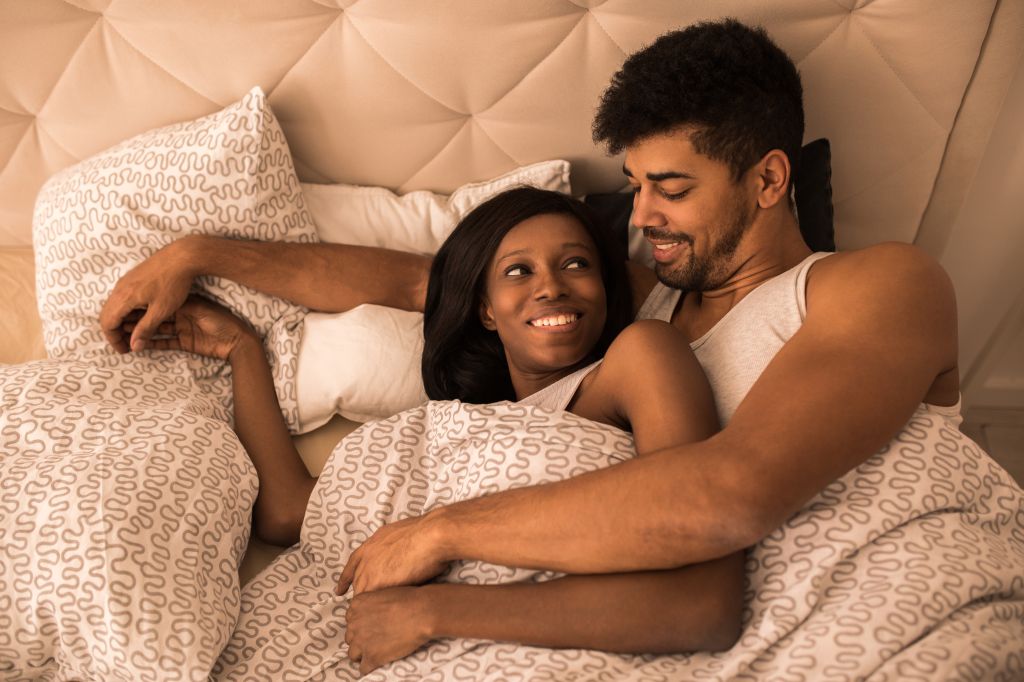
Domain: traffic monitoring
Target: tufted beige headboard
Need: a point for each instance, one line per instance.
(413, 94)
(429, 95)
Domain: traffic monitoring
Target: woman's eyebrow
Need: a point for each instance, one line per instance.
(520, 252)
(512, 254)
(580, 245)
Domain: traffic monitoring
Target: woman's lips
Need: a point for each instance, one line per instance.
(556, 322)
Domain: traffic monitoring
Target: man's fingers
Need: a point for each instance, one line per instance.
(165, 329)
(359, 583)
(145, 328)
(164, 344)
(345, 580)
(111, 317)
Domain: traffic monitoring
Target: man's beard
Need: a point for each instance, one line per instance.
(705, 273)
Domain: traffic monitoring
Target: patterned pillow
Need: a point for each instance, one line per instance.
(228, 174)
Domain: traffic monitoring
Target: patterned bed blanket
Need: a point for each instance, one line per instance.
(911, 567)
(125, 503)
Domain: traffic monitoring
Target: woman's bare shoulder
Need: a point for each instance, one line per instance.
(652, 381)
(647, 342)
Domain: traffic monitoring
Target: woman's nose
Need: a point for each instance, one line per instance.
(550, 285)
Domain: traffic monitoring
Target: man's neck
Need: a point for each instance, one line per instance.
(770, 248)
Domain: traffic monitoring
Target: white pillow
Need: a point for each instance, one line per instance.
(365, 363)
(418, 221)
(361, 364)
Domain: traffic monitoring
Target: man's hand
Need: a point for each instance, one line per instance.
(401, 553)
(201, 327)
(385, 626)
(158, 285)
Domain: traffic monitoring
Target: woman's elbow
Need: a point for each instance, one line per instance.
(277, 526)
(726, 625)
(713, 620)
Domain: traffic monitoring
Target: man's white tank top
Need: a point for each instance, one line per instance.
(736, 350)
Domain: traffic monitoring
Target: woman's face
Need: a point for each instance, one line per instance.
(545, 297)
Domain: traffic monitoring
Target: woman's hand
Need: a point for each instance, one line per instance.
(386, 625)
(157, 287)
(406, 552)
(199, 326)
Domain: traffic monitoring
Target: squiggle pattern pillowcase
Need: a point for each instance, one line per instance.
(228, 174)
(127, 566)
(365, 363)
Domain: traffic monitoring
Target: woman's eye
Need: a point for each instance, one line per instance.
(576, 264)
(516, 270)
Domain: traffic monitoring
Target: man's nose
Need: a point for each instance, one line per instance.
(645, 211)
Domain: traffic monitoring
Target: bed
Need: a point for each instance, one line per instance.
(380, 123)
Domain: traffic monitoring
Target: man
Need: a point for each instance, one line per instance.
(710, 119)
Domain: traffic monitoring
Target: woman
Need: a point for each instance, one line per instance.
(526, 301)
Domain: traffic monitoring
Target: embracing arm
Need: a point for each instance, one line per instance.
(650, 380)
(880, 328)
(323, 277)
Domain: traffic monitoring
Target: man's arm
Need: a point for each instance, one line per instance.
(323, 277)
(881, 326)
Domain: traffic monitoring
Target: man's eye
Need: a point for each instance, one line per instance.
(675, 196)
(516, 270)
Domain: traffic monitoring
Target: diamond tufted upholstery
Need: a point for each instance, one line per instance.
(430, 95)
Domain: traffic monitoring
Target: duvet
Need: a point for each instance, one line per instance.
(125, 501)
(911, 567)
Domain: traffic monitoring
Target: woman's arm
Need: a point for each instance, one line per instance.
(695, 608)
(205, 328)
(324, 277)
(285, 483)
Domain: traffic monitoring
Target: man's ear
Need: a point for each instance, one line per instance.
(773, 178)
(486, 316)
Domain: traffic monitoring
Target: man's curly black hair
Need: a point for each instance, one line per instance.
(729, 84)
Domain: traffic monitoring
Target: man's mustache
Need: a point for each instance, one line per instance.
(663, 235)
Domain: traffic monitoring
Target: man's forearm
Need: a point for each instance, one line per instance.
(323, 277)
(670, 508)
(695, 608)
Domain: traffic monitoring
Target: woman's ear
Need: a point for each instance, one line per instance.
(773, 178)
(486, 316)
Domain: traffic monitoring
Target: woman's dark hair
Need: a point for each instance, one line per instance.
(732, 85)
(463, 360)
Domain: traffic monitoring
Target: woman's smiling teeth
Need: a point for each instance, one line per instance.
(554, 320)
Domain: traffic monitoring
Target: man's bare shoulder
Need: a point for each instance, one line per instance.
(891, 274)
(890, 293)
